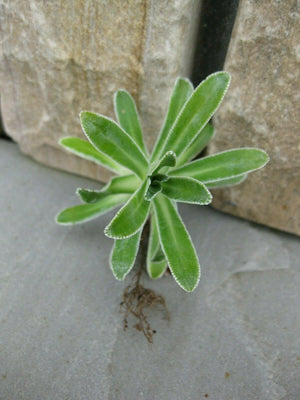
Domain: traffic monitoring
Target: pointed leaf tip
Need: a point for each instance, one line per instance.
(167, 160)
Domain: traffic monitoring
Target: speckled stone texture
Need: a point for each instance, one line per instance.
(60, 57)
(235, 338)
(262, 109)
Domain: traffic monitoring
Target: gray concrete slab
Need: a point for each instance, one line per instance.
(61, 338)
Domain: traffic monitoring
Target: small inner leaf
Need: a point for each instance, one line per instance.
(153, 189)
(159, 178)
(168, 160)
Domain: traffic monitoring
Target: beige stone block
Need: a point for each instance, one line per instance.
(60, 57)
(262, 109)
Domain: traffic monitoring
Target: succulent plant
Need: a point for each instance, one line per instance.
(148, 186)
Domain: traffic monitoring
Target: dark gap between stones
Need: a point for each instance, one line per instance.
(216, 22)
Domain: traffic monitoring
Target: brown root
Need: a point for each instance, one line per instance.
(137, 299)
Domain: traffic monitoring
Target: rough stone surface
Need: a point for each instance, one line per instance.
(236, 337)
(58, 58)
(262, 109)
(168, 53)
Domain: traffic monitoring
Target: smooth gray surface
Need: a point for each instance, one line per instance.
(61, 338)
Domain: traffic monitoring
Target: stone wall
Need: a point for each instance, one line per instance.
(58, 58)
(262, 109)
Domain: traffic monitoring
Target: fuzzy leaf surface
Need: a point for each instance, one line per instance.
(196, 112)
(176, 244)
(84, 149)
(113, 141)
(159, 255)
(128, 118)
(131, 217)
(167, 160)
(197, 145)
(124, 254)
(119, 184)
(181, 92)
(186, 190)
(225, 165)
(226, 182)
(153, 190)
(86, 212)
(155, 269)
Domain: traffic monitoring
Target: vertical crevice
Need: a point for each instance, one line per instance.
(215, 26)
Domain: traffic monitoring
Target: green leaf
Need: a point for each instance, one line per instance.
(196, 112)
(128, 118)
(119, 184)
(159, 255)
(181, 92)
(159, 178)
(86, 212)
(113, 141)
(153, 189)
(198, 144)
(155, 185)
(155, 269)
(84, 149)
(131, 217)
(186, 190)
(225, 165)
(176, 244)
(226, 182)
(167, 160)
(124, 254)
